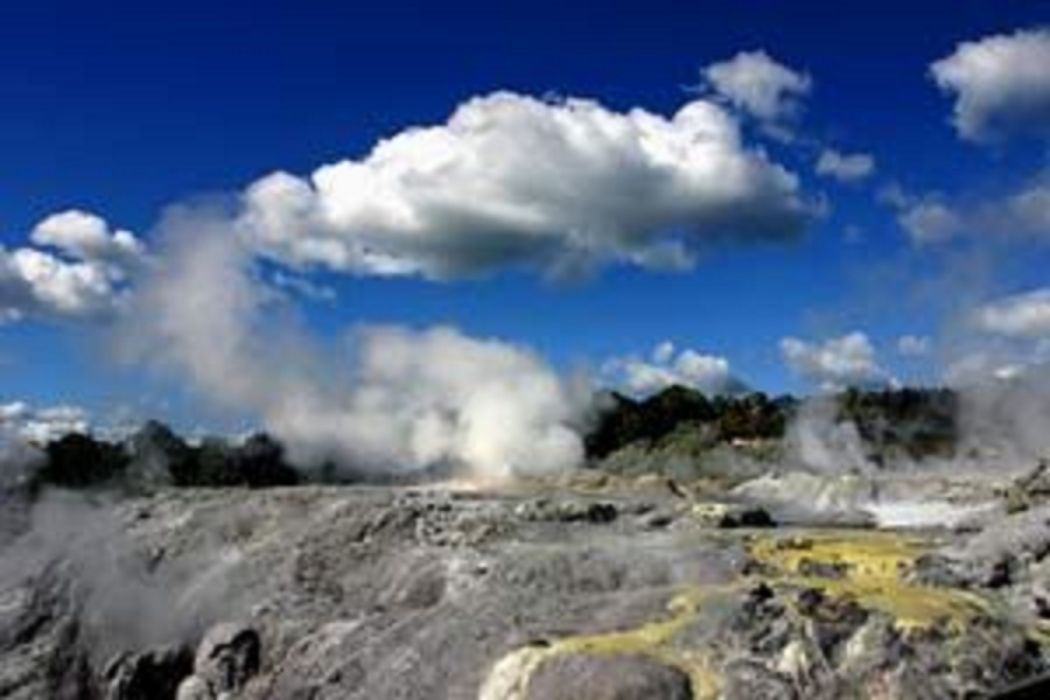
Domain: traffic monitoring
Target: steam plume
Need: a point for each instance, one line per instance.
(391, 400)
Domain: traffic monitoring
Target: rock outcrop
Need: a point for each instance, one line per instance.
(228, 657)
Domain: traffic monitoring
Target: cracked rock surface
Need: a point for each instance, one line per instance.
(546, 592)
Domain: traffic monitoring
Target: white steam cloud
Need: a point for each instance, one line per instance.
(122, 600)
(817, 440)
(394, 401)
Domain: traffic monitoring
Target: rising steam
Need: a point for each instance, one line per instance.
(391, 400)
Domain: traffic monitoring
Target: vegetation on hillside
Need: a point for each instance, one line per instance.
(678, 431)
(682, 422)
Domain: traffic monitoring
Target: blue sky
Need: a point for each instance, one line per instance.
(122, 109)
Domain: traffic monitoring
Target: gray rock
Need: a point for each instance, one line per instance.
(568, 510)
(151, 675)
(749, 680)
(1030, 489)
(194, 688)
(381, 593)
(228, 656)
(592, 677)
(730, 515)
(997, 557)
(40, 641)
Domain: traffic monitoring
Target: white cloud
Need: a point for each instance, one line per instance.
(1001, 85)
(913, 345)
(754, 82)
(84, 275)
(849, 360)
(41, 425)
(513, 180)
(85, 236)
(304, 287)
(663, 352)
(34, 282)
(1024, 315)
(845, 167)
(668, 367)
(980, 366)
(1027, 212)
(930, 219)
(930, 222)
(1010, 343)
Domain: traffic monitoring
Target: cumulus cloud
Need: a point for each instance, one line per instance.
(34, 282)
(512, 180)
(754, 82)
(913, 345)
(80, 268)
(837, 363)
(40, 425)
(85, 236)
(667, 366)
(845, 167)
(1024, 315)
(393, 401)
(1000, 83)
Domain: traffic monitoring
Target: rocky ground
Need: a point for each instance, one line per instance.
(590, 587)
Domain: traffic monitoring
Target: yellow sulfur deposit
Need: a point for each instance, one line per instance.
(872, 567)
(509, 679)
(866, 567)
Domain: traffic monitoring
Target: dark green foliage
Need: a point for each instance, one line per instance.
(160, 457)
(79, 461)
(914, 422)
(748, 417)
(258, 462)
(261, 458)
(155, 457)
(627, 420)
(213, 466)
